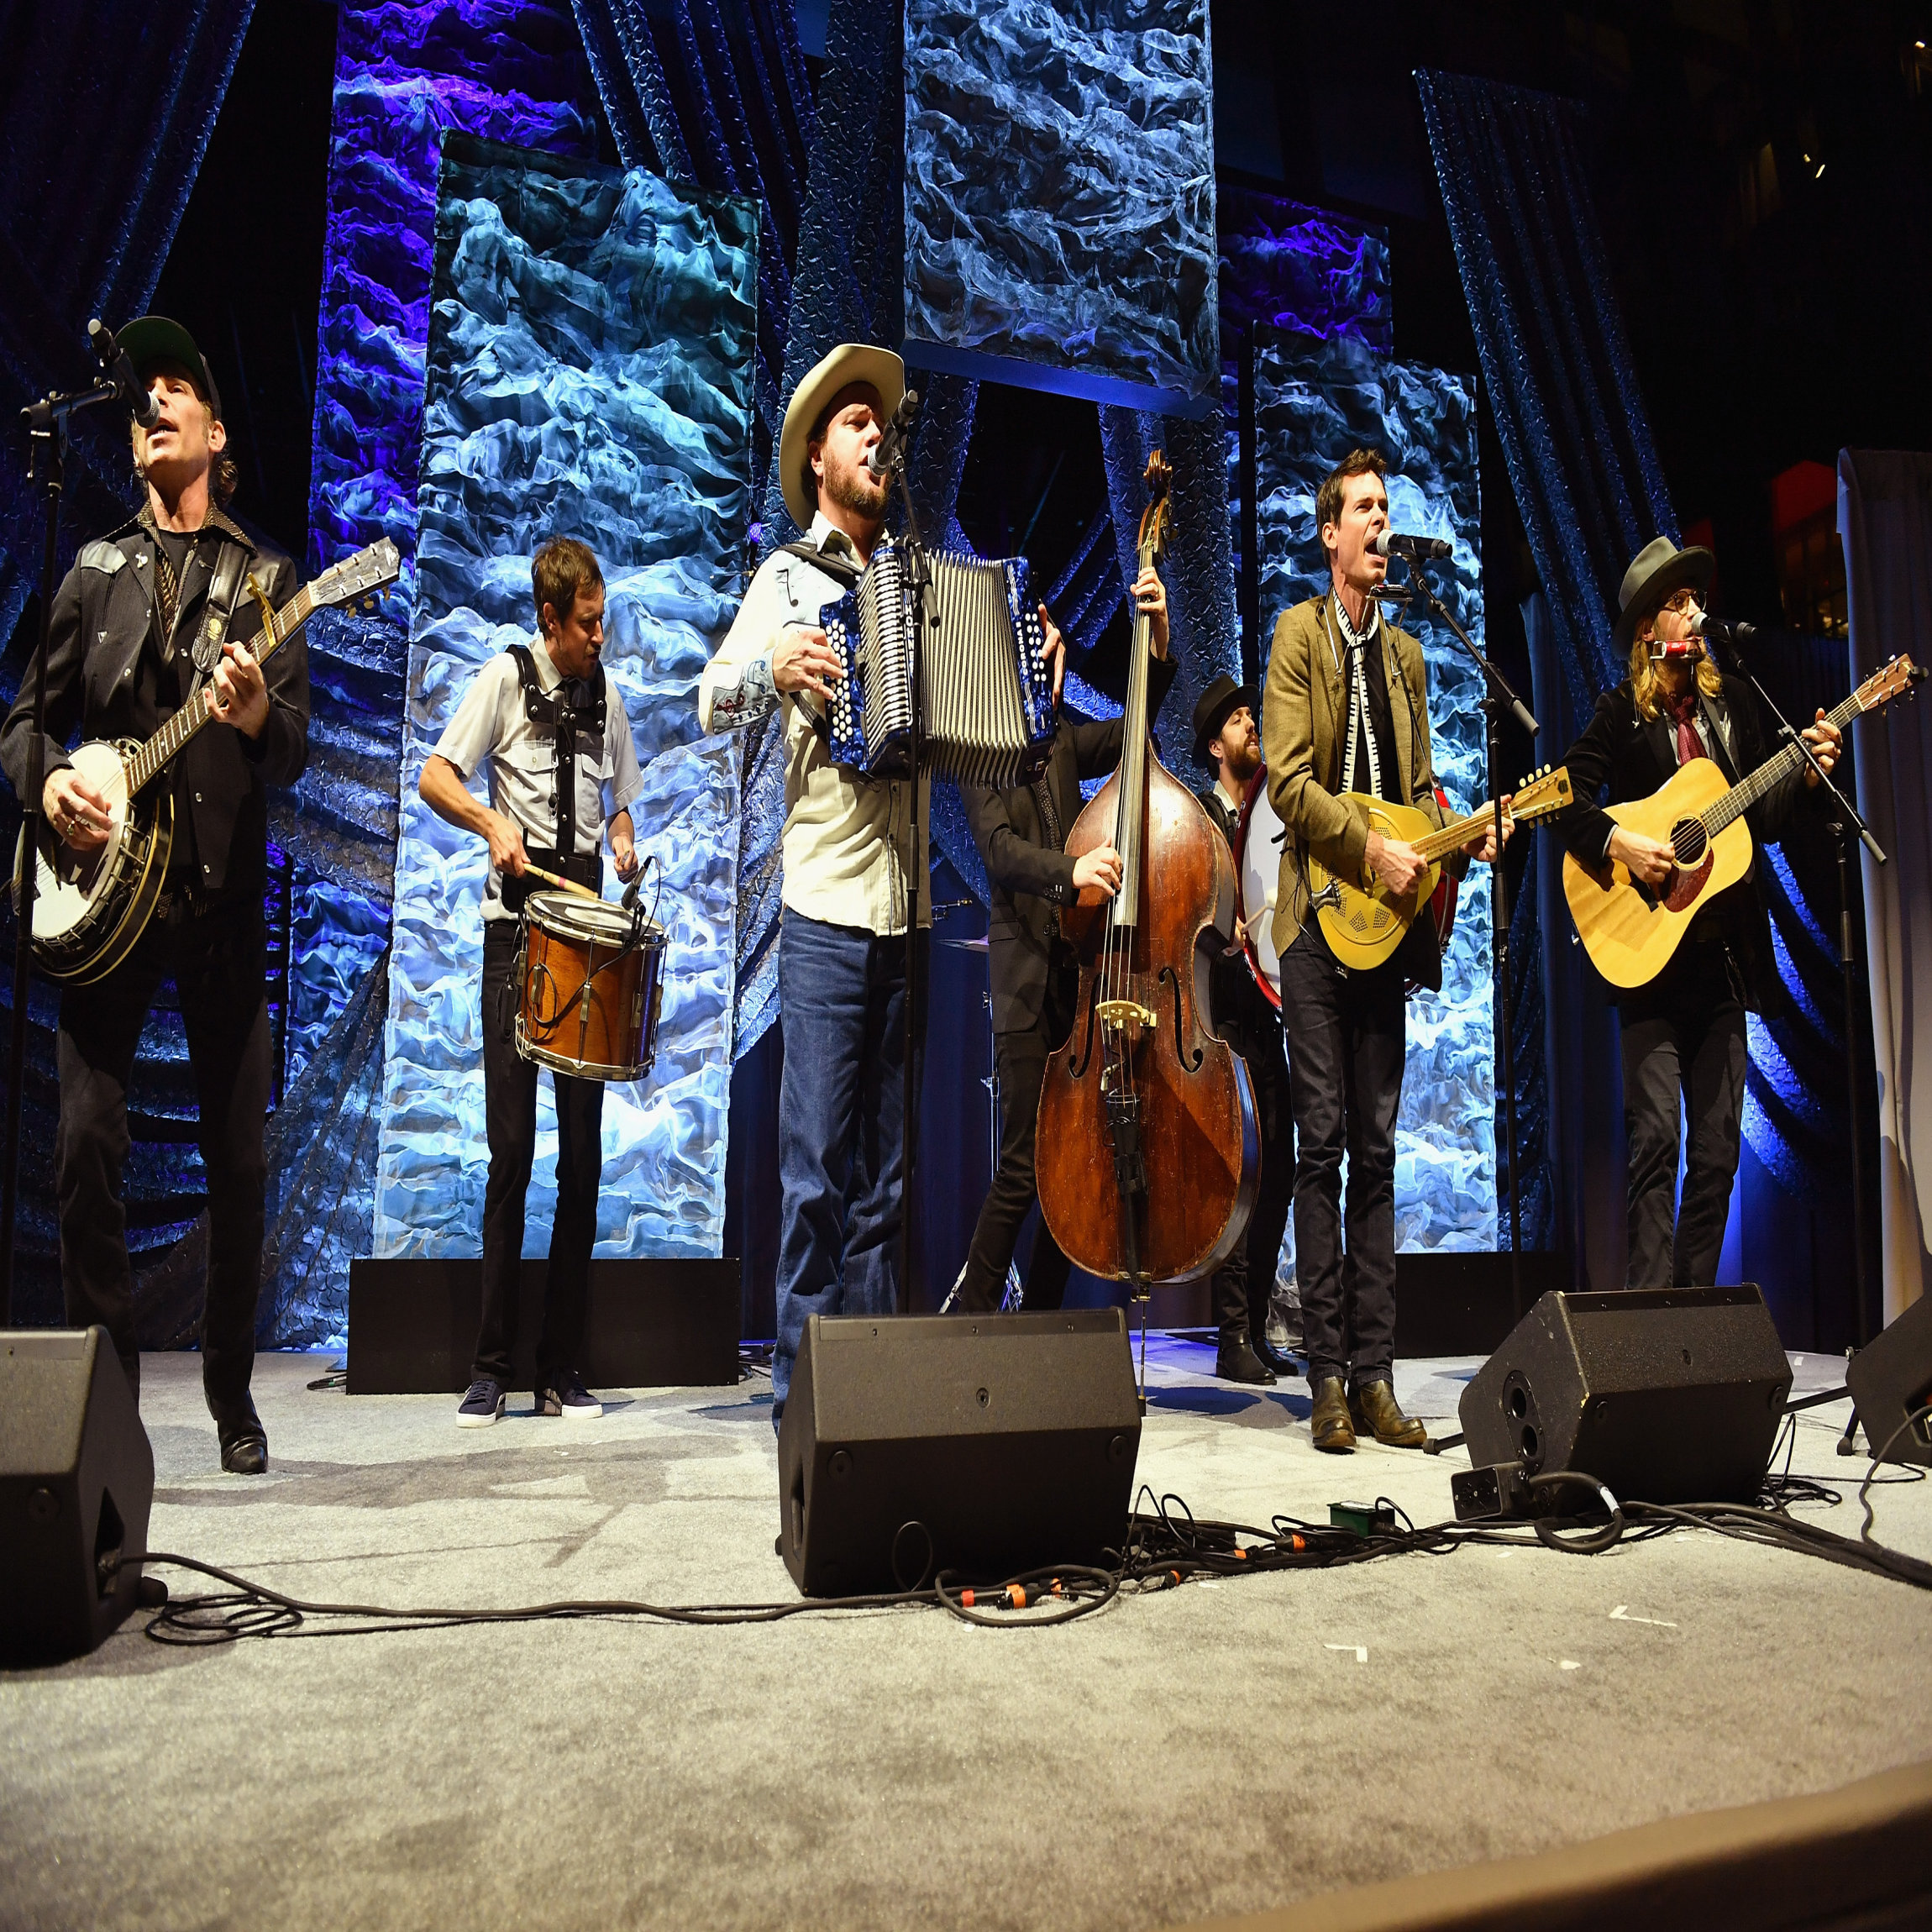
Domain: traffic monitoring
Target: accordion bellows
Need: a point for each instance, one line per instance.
(989, 701)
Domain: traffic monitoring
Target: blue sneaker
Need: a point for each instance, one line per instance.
(482, 1406)
(563, 1393)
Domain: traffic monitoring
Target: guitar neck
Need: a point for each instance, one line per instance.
(1775, 769)
(161, 749)
(1457, 833)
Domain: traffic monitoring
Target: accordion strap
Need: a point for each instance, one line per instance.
(846, 572)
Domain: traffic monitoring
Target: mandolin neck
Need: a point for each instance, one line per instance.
(155, 756)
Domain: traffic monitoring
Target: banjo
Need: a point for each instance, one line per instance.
(89, 907)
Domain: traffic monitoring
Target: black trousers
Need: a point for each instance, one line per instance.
(1346, 1040)
(1684, 1056)
(1244, 1283)
(1022, 1060)
(510, 1119)
(216, 962)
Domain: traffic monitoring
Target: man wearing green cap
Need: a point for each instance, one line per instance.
(141, 623)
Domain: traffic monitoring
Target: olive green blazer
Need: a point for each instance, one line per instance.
(1304, 722)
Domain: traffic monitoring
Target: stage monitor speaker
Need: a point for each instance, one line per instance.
(1890, 1377)
(1666, 1394)
(985, 1444)
(77, 1480)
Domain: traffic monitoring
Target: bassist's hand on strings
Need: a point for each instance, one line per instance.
(1099, 870)
(240, 692)
(1650, 860)
(1824, 738)
(1151, 599)
(76, 812)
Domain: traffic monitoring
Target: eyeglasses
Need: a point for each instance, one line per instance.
(1682, 602)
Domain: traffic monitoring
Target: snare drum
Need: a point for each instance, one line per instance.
(589, 987)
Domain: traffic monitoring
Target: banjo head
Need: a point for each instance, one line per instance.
(80, 897)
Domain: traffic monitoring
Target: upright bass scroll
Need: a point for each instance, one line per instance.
(1143, 1085)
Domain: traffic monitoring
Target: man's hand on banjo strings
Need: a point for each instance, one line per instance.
(78, 813)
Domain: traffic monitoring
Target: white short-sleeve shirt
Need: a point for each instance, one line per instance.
(492, 727)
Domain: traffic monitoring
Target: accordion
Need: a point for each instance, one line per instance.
(989, 701)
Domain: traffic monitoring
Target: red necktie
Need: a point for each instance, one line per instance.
(1689, 745)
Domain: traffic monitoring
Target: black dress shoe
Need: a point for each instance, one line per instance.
(1270, 1356)
(1242, 1364)
(243, 1440)
(245, 1454)
(1328, 1420)
(1373, 1410)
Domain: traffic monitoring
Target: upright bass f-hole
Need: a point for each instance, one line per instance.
(1192, 1063)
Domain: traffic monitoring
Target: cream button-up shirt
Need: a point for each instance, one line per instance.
(848, 856)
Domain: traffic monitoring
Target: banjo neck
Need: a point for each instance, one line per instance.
(278, 626)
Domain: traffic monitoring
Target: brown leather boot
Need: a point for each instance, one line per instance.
(1328, 1422)
(1371, 1408)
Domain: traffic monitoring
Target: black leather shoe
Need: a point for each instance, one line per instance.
(1270, 1356)
(1373, 1409)
(245, 1442)
(1328, 1420)
(1242, 1364)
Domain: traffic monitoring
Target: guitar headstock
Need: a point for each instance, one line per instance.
(1157, 518)
(1887, 682)
(1542, 794)
(364, 575)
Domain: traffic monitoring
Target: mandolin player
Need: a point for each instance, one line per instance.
(1346, 711)
(1684, 1033)
(149, 614)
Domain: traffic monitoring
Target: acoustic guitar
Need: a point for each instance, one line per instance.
(1630, 930)
(1363, 927)
(91, 907)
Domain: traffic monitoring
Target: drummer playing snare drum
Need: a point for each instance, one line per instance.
(560, 757)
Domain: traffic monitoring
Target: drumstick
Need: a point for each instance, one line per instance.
(562, 884)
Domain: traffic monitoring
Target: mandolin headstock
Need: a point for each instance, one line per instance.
(1156, 517)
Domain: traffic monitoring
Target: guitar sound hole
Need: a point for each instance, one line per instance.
(1688, 841)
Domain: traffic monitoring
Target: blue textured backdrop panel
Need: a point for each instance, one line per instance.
(589, 374)
(1294, 267)
(1060, 197)
(1314, 402)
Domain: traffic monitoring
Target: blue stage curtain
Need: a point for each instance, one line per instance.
(105, 111)
(1562, 390)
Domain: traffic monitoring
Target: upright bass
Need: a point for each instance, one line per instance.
(1147, 1156)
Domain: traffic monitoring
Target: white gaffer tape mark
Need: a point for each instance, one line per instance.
(1568, 1664)
(1361, 1650)
(1621, 1614)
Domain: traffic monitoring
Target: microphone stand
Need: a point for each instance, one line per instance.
(920, 576)
(1842, 816)
(1497, 697)
(46, 425)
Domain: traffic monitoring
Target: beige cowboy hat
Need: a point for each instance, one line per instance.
(1656, 573)
(850, 362)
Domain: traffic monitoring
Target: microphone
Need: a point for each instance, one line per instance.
(885, 453)
(119, 366)
(1417, 549)
(1719, 632)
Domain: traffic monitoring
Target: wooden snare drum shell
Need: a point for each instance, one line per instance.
(587, 1001)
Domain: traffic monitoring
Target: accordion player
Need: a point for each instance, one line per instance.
(988, 713)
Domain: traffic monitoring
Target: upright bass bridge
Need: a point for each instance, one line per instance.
(1124, 1013)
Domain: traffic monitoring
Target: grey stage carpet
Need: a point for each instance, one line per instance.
(1212, 1750)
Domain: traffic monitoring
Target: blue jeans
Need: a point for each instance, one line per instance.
(841, 994)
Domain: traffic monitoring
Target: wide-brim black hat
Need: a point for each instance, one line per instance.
(1221, 698)
(153, 338)
(1656, 573)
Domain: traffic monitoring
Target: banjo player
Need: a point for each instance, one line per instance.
(140, 623)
